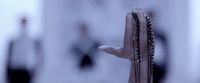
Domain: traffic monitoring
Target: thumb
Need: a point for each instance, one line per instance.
(114, 51)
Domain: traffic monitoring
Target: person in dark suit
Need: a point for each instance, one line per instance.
(85, 48)
(161, 53)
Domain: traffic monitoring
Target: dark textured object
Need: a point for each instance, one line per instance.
(138, 47)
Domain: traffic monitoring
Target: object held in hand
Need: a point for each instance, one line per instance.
(138, 47)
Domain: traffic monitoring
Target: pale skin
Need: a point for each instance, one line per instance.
(127, 50)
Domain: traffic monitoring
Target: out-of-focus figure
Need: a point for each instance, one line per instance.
(161, 52)
(24, 56)
(85, 48)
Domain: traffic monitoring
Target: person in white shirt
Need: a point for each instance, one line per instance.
(24, 56)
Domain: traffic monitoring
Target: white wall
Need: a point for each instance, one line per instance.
(194, 40)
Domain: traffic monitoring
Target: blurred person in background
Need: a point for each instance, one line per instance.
(161, 52)
(24, 56)
(85, 48)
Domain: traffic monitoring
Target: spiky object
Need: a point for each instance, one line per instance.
(143, 43)
(138, 47)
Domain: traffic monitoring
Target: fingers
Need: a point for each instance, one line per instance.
(128, 34)
(127, 49)
(141, 16)
(119, 52)
(143, 30)
(110, 50)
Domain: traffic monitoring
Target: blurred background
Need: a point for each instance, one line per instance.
(59, 40)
